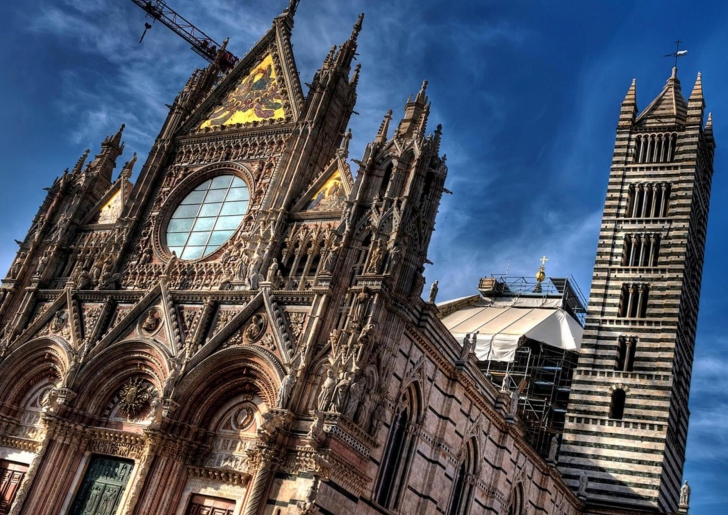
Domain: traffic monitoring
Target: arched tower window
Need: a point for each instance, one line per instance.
(462, 490)
(626, 351)
(640, 250)
(633, 300)
(616, 407)
(398, 452)
(647, 200)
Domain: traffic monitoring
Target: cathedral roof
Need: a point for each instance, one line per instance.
(669, 108)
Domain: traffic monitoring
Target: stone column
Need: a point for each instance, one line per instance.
(263, 459)
(144, 464)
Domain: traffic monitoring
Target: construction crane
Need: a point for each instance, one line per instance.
(201, 43)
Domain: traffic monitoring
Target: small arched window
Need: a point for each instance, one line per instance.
(616, 407)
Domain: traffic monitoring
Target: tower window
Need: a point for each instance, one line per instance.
(640, 250)
(626, 351)
(647, 200)
(616, 407)
(655, 148)
(633, 301)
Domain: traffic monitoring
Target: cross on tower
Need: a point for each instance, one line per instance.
(677, 53)
(543, 261)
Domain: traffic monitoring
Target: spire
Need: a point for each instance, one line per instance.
(696, 103)
(81, 161)
(629, 106)
(289, 13)
(415, 114)
(357, 28)
(698, 88)
(348, 49)
(115, 140)
(708, 131)
(128, 168)
(384, 128)
(669, 108)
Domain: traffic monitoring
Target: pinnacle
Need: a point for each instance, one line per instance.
(631, 96)
(357, 27)
(697, 89)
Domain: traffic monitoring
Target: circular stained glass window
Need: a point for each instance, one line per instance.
(207, 217)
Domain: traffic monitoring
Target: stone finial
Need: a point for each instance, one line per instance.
(81, 161)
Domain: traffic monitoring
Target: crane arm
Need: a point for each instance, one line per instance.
(201, 43)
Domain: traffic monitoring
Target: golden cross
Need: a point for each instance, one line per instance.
(543, 261)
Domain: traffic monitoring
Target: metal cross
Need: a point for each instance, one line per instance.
(677, 53)
(543, 261)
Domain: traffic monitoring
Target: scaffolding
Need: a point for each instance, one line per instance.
(541, 373)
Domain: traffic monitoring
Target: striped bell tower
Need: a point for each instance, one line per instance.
(624, 441)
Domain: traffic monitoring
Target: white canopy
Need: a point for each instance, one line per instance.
(501, 329)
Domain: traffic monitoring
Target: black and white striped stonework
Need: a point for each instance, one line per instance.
(627, 420)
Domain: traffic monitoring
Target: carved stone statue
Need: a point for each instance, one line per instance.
(433, 292)
(272, 274)
(553, 448)
(151, 322)
(342, 389)
(316, 431)
(360, 306)
(356, 392)
(330, 260)
(252, 276)
(327, 391)
(513, 412)
(685, 494)
(284, 392)
(583, 483)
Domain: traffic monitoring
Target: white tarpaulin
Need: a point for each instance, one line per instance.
(501, 329)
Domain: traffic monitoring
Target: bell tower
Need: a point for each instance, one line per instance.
(627, 421)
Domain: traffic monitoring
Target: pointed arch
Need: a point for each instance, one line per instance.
(517, 504)
(46, 357)
(104, 375)
(222, 376)
(400, 448)
(463, 486)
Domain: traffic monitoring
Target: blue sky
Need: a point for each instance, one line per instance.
(528, 94)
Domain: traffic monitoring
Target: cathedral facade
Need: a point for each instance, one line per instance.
(242, 332)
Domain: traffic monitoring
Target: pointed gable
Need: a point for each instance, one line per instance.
(669, 108)
(329, 191)
(263, 88)
(256, 98)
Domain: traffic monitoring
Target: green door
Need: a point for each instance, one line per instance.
(103, 486)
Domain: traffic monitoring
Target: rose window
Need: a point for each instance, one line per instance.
(208, 217)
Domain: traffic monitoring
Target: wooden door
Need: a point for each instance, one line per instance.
(202, 505)
(11, 475)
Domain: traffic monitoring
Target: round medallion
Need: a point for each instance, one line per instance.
(207, 217)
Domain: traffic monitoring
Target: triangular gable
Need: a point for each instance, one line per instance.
(263, 88)
(669, 108)
(108, 209)
(328, 192)
(258, 97)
